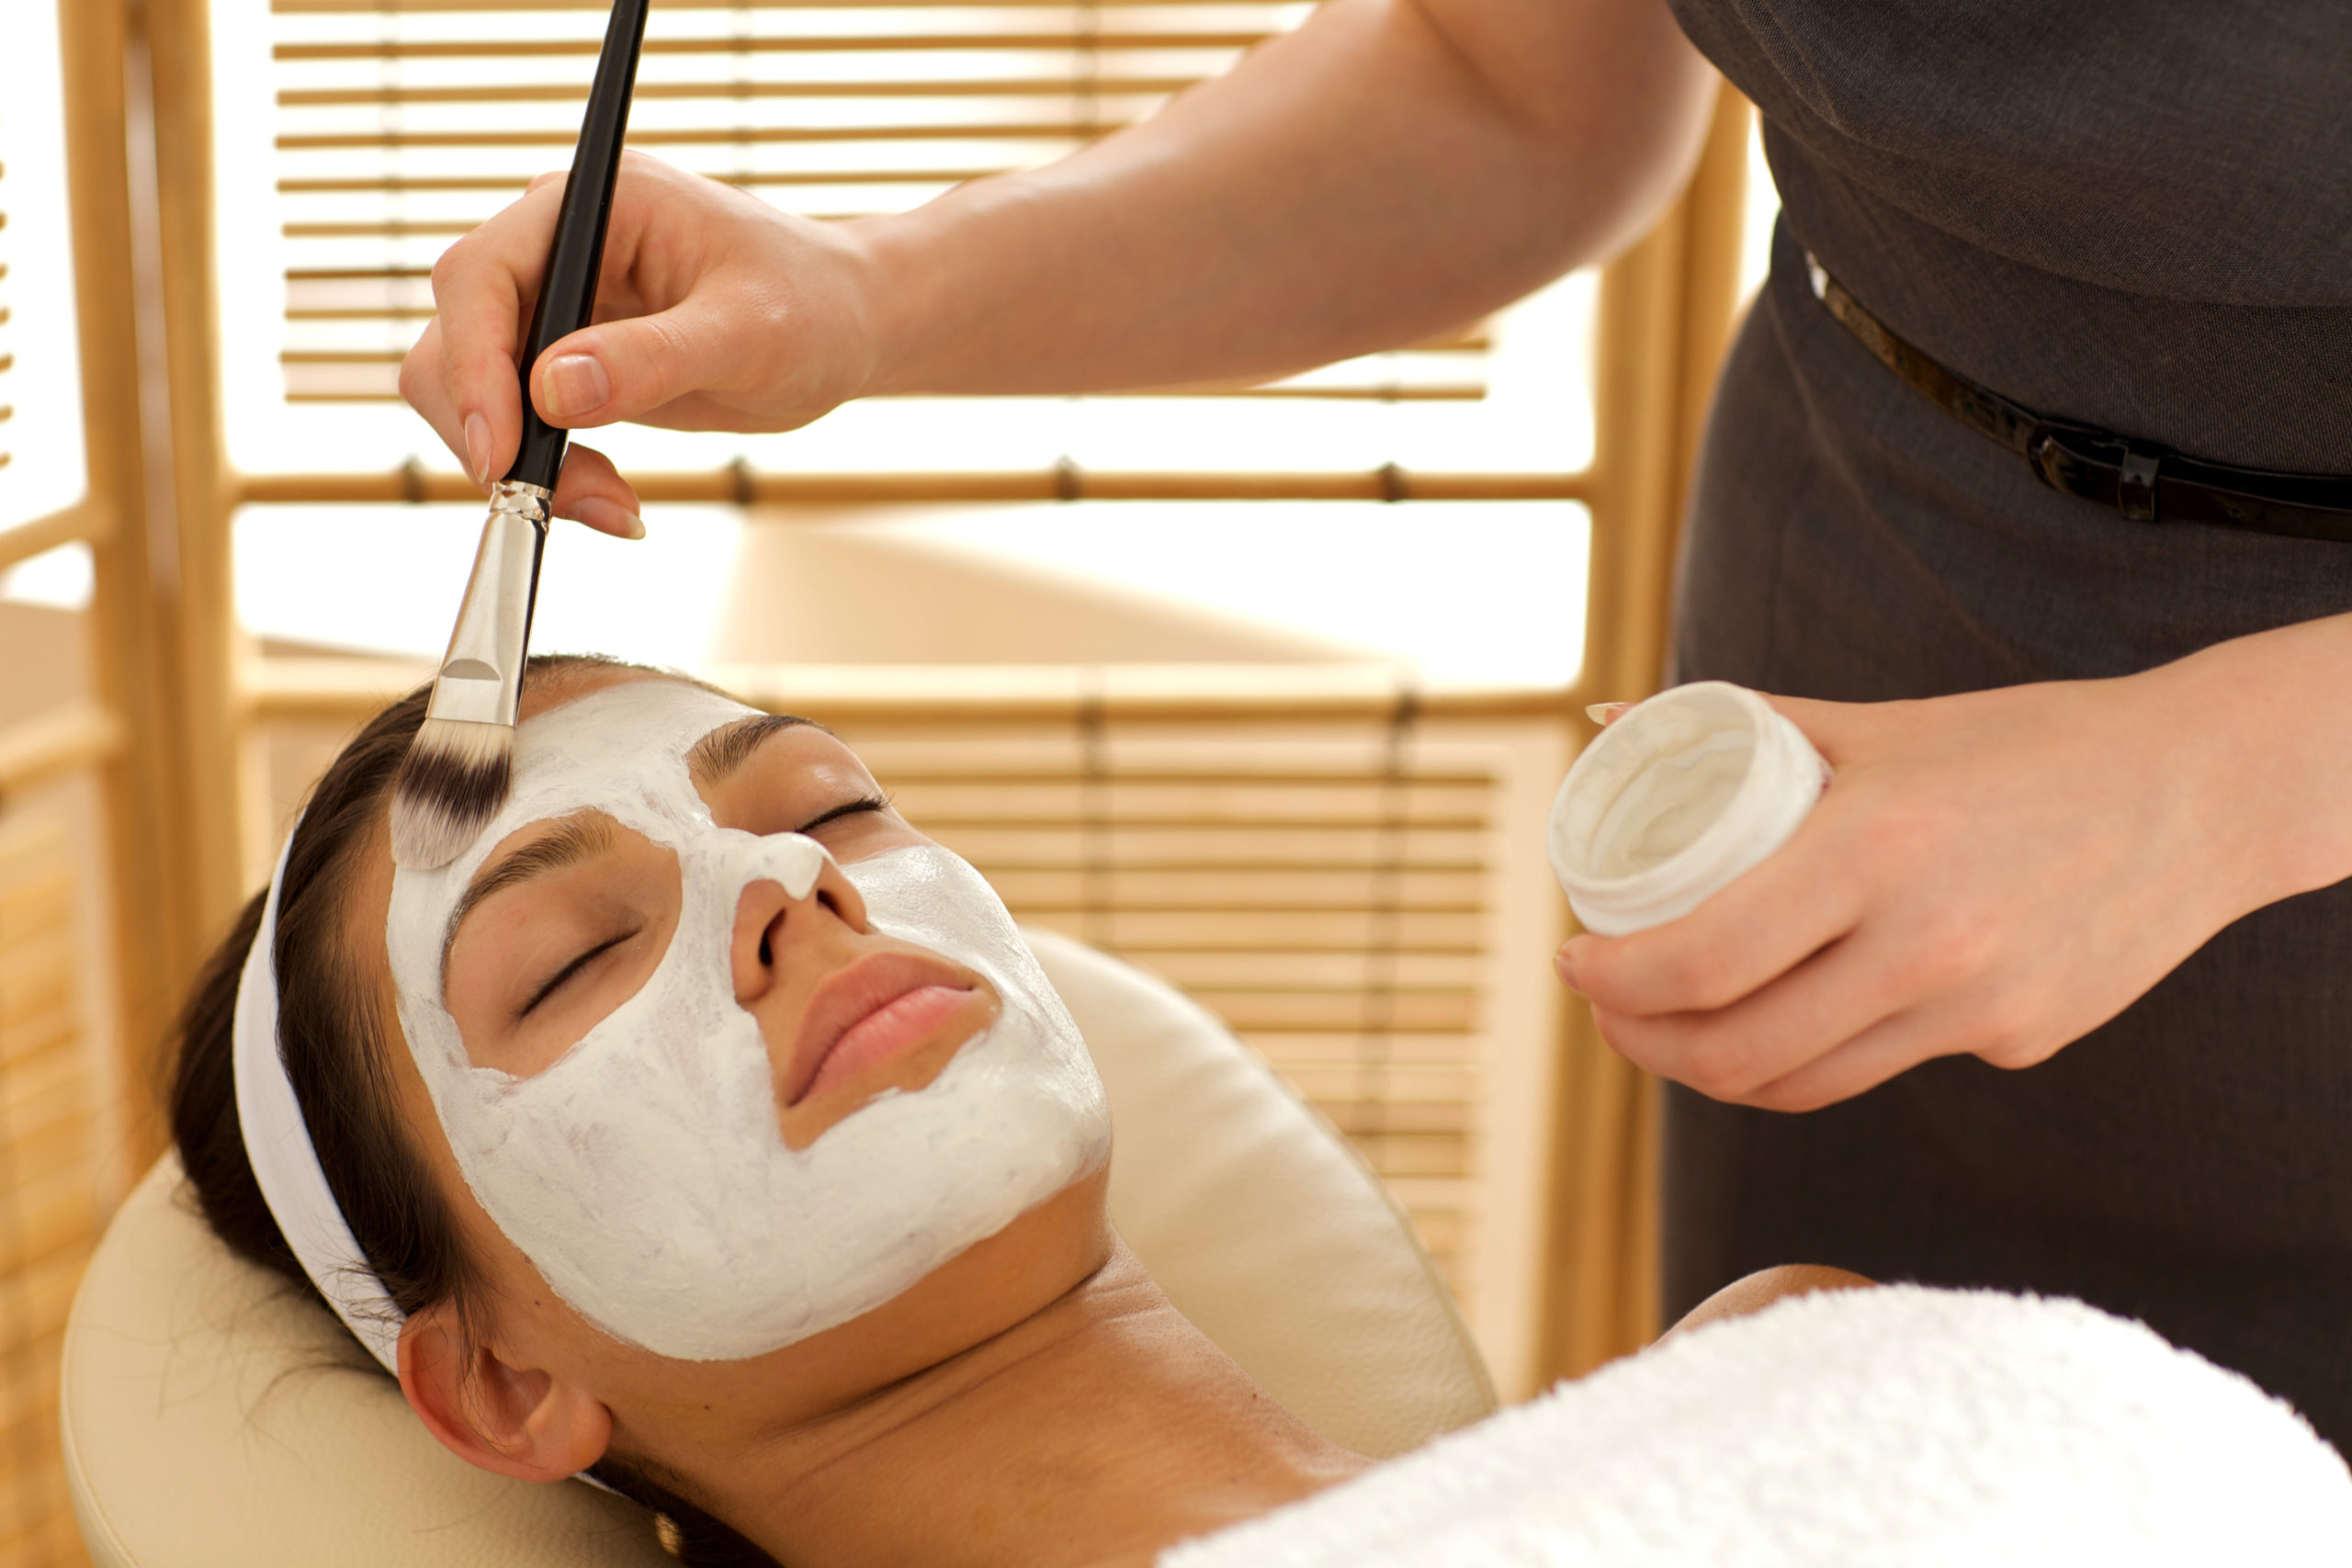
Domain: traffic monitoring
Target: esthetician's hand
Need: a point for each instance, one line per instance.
(714, 311)
(1994, 873)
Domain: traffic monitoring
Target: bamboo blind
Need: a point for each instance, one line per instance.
(400, 125)
(49, 1170)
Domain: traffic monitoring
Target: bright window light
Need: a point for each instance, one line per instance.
(41, 465)
(55, 580)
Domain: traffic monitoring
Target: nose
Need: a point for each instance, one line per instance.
(771, 925)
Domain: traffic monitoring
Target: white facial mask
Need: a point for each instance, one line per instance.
(644, 1173)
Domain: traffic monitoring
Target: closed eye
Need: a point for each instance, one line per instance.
(846, 809)
(556, 980)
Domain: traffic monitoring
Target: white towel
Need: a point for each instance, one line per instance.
(1899, 1426)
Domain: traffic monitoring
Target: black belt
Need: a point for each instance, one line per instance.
(2143, 481)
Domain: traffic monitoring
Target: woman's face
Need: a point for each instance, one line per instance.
(568, 919)
(682, 1067)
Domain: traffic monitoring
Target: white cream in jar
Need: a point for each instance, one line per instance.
(1683, 794)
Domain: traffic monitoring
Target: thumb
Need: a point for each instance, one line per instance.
(626, 369)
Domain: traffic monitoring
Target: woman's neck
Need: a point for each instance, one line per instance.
(1095, 1433)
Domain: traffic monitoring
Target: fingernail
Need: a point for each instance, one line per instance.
(606, 517)
(1565, 967)
(1603, 714)
(576, 385)
(478, 448)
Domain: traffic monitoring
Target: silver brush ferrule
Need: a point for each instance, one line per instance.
(481, 679)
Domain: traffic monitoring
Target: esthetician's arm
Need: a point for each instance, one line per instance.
(1996, 874)
(1391, 169)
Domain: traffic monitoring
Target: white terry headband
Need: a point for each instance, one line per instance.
(285, 1165)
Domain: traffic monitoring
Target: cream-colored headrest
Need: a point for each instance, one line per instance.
(212, 1415)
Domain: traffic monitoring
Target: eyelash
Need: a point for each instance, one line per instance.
(563, 976)
(872, 803)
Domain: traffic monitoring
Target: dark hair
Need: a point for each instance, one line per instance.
(336, 1049)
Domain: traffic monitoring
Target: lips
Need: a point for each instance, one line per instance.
(869, 1012)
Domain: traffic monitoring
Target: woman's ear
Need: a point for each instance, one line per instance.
(509, 1420)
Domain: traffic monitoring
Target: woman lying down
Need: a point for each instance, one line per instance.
(708, 1130)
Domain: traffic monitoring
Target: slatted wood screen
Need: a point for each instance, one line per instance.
(402, 124)
(48, 1167)
(1364, 903)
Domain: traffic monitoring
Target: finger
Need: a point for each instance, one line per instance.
(632, 367)
(1794, 903)
(482, 290)
(428, 394)
(592, 490)
(1892, 1047)
(1838, 995)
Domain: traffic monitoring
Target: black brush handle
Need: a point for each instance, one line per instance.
(568, 291)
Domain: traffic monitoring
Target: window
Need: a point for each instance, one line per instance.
(42, 470)
(359, 139)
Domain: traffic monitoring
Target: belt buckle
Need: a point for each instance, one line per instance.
(2097, 465)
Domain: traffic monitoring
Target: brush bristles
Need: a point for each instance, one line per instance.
(451, 783)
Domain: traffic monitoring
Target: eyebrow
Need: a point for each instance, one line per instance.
(578, 838)
(724, 749)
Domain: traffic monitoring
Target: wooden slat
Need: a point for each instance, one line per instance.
(1120, 804)
(74, 734)
(371, 375)
(38, 982)
(1308, 1051)
(1217, 849)
(1454, 1086)
(62, 1143)
(1415, 1154)
(773, 43)
(83, 523)
(515, 184)
(1260, 889)
(29, 1378)
(1200, 778)
(53, 1214)
(1106, 86)
(1430, 394)
(1350, 971)
(1273, 1012)
(429, 7)
(703, 136)
(761, 488)
(39, 902)
(42, 1089)
(48, 1213)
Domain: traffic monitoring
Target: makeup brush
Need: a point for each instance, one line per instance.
(457, 770)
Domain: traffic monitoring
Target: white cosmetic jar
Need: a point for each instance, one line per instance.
(1676, 799)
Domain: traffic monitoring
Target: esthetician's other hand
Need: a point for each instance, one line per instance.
(714, 311)
(1994, 874)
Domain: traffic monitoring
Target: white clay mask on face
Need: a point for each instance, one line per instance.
(644, 1172)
